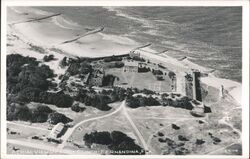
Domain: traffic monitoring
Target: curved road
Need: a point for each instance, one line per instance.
(124, 110)
(71, 130)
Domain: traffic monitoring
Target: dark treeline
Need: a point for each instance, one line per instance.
(37, 95)
(138, 101)
(27, 82)
(37, 114)
(100, 100)
(23, 72)
(118, 142)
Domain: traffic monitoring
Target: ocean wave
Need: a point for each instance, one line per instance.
(65, 24)
(39, 11)
(146, 23)
(118, 39)
(16, 10)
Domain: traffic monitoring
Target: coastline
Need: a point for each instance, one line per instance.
(47, 34)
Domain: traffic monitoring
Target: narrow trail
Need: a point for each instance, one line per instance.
(70, 131)
(143, 142)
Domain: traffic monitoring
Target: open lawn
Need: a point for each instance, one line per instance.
(140, 80)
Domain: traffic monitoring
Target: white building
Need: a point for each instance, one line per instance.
(56, 131)
(130, 66)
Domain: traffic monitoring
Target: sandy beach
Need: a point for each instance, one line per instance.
(50, 33)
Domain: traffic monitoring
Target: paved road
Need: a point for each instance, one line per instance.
(47, 147)
(28, 126)
(69, 132)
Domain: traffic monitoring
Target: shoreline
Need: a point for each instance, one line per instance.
(97, 44)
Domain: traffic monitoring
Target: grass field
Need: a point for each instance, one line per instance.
(140, 80)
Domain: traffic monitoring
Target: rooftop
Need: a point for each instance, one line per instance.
(131, 63)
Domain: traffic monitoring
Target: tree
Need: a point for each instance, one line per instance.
(85, 67)
(40, 113)
(118, 142)
(171, 74)
(73, 69)
(55, 118)
(48, 58)
(17, 111)
(63, 62)
(76, 108)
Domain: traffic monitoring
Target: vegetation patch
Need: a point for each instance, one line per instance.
(118, 142)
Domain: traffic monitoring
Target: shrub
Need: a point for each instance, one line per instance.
(135, 102)
(160, 134)
(48, 58)
(55, 118)
(199, 141)
(161, 140)
(175, 127)
(77, 108)
(74, 69)
(171, 75)
(182, 138)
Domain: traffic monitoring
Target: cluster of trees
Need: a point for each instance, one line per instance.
(112, 58)
(116, 64)
(97, 100)
(101, 99)
(23, 72)
(183, 102)
(54, 118)
(116, 141)
(108, 80)
(143, 69)
(64, 62)
(76, 108)
(30, 94)
(157, 72)
(37, 114)
(48, 58)
(138, 101)
(27, 82)
(79, 68)
(171, 75)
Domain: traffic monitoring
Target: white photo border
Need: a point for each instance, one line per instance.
(245, 67)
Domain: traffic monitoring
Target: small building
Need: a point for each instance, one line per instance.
(134, 54)
(56, 131)
(130, 66)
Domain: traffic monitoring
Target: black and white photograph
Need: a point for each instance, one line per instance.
(98, 80)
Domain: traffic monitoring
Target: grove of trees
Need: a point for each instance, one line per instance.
(138, 101)
(118, 142)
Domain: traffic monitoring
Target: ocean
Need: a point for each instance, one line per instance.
(208, 36)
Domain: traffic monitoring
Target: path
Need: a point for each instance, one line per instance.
(144, 144)
(71, 130)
